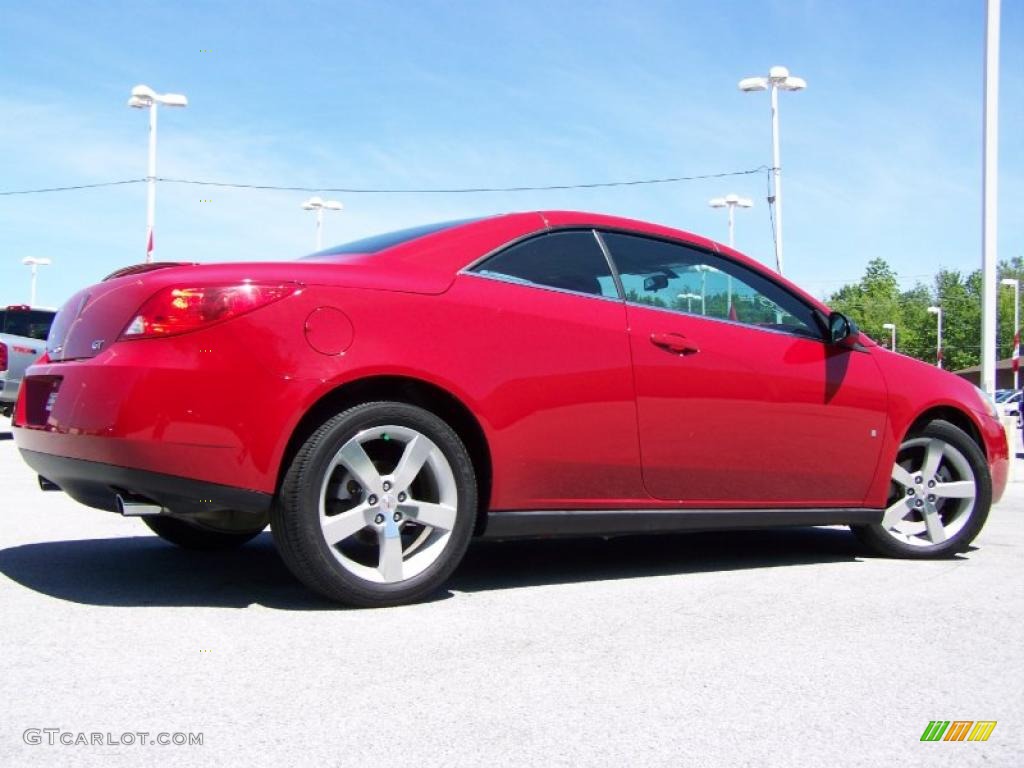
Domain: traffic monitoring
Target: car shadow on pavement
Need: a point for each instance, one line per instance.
(500, 565)
(144, 571)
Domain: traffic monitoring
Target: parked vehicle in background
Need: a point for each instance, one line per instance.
(1008, 402)
(23, 332)
(535, 374)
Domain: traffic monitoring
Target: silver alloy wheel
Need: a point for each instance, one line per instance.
(933, 494)
(389, 488)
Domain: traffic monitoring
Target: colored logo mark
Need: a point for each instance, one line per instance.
(958, 730)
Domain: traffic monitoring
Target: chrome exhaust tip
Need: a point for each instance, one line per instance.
(130, 505)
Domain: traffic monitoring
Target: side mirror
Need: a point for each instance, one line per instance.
(840, 327)
(655, 282)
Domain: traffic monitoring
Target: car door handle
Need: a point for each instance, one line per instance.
(674, 342)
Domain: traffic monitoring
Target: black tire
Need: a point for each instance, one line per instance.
(295, 517)
(195, 535)
(883, 543)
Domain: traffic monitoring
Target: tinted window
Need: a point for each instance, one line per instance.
(33, 324)
(387, 240)
(572, 261)
(684, 279)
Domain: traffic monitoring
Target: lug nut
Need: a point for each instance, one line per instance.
(931, 497)
(918, 479)
(918, 503)
(910, 491)
(931, 483)
(401, 497)
(378, 519)
(387, 486)
(398, 517)
(372, 501)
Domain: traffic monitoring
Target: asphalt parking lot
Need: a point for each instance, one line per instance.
(747, 649)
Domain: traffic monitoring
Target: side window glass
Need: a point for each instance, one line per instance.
(571, 261)
(684, 279)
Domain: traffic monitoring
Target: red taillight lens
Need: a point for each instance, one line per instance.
(183, 309)
(3, 357)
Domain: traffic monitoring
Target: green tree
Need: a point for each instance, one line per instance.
(876, 300)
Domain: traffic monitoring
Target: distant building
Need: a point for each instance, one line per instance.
(1004, 374)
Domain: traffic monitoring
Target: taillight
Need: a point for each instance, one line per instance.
(175, 310)
(3, 357)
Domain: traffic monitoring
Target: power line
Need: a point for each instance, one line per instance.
(398, 190)
(71, 188)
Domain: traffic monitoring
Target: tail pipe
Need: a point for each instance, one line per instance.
(48, 485)
(130, 505)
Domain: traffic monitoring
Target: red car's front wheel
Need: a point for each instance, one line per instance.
(939, 498)
(378, 505)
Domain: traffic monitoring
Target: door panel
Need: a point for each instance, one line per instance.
(743, 416)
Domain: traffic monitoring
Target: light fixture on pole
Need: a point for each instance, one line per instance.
(689, 299)
(1016, 328)
(778, 79)
(144, 97)
(937, 311)
(730, 202)
(891, 327)
(319, 205)
(35, 263)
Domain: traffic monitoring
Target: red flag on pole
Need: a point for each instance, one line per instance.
(1016, 351)
(732, 312)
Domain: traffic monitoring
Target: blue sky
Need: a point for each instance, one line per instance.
(882, 153)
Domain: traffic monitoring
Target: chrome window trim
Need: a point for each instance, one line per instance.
(508, 280)
(736, 323)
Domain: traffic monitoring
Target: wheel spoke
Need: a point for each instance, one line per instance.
(894, 515)
(961, 489)
(902, 476)
(435, 515)
(936, 533)
(358, 463)
(416, 453)
(390, 562)
(932, 458)
(340, 527)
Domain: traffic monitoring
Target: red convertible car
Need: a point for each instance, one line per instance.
(532, 374)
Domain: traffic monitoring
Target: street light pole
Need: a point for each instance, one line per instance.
(35, 263)
(144, 97)
(319, 205)
(730, 202)
(989, 198)
(891, 327)
(937, 311)
(778, 79)
(1016, 328)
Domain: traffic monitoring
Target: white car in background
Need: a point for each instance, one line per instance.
(1008, 402)
(23, 332)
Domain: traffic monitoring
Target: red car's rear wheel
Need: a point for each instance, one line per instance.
(378, 505)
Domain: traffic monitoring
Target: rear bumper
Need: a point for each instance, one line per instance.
(97, 485)
(198, 408)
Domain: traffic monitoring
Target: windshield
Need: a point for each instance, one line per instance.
(31, 323)
(378, 243)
